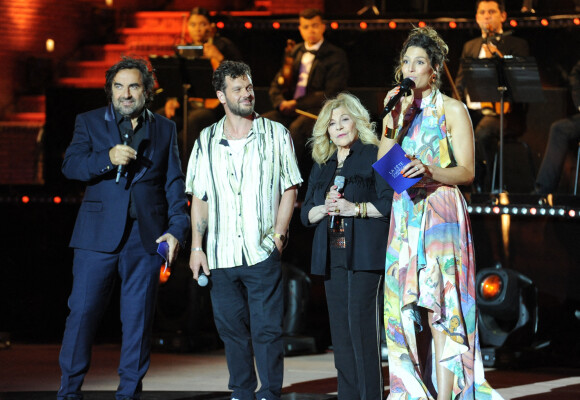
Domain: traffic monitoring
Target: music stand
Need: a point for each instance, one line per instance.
(491, 79)
(184, 77)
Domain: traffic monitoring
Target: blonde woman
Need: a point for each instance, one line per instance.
(350, 240)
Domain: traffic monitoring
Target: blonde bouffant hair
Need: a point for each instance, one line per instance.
(429, 40)
(322, 147)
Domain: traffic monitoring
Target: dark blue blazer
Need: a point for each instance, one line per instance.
(366, 239)
(155, 179)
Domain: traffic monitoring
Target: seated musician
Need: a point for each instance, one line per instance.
(494, 42)
(201, 112)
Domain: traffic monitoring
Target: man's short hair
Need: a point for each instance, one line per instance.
(233, 69)
(310, 13)
(131, 63)
(500, 4)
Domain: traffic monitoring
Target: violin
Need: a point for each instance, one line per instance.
(286, 78)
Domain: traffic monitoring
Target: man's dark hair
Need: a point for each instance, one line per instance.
(131, 63)
(233, 69)
(500, 4)
(310, 13)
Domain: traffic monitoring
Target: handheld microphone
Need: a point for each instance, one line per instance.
(126, 137)
(406, 87)
(339, 183)
(202, 279)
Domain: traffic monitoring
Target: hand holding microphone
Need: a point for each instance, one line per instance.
(121, 156)
(404, 88)
(339, 183)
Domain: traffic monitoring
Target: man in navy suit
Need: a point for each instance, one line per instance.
(134, 201)
(493, 42)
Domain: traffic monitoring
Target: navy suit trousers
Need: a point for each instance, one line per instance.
(94, 278)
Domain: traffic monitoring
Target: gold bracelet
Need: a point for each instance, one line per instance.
(364, 210)
(390, 133)
(356, 210)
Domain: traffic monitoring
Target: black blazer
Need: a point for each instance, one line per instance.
(366, 239)
(155, 179)
(328, 76)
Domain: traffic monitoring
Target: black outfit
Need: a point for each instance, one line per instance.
(354, 289)
(328, 76)
(563, 133)
(487, 126)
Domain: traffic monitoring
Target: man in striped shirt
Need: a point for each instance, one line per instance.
(243, 179)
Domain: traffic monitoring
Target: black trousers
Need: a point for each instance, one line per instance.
(354, 306)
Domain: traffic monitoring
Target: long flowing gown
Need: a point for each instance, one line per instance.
(430, 263)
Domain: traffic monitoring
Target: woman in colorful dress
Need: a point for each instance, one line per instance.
(430, 310)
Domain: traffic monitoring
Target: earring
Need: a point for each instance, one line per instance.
(433, 78)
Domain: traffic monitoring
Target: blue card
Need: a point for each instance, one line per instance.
(163, 250)
(389, 167)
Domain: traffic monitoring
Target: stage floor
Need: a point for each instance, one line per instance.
(30, 372)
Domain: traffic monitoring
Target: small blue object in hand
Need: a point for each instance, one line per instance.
(202, 279)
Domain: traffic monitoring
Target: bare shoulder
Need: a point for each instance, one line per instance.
(453, 107)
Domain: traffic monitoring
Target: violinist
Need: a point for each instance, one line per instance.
(311, 72)
(199, 29)
(493, 42)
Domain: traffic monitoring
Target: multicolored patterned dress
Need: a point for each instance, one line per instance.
(430, 263)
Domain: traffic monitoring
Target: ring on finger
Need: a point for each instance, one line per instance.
(416, 168)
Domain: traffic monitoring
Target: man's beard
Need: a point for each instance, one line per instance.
(241, 110)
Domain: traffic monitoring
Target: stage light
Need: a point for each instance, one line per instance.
(453, 24)
(508, 311)
(248, 25)
(469, 209)
(334, 25)
(50, 45)
(514, 210)
(422, 24)
(513, 23)
(220, 25)
(561, 212)
(496, 210)
(533, 211)
(25, 199)
(57, 200)
(544, 22)
(552, 211)
(505, 210)
(576, 21)
(392, 24)
(487, 210)
(276, 25)
(363, 25)
(572, 213)
(542, 211)
(478, 209)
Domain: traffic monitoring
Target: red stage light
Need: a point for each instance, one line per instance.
(56, 200)
(533, 211)
(544, 22)
(572, 213)
(334, 25)
(276, 25)
(220, 25)
(25, 199)
(363, 25)
(248, 25)
(491, 287)
(576, 21)
(496, 210)
(453, 24)
(392, 24)
(513, 23)
(422, 24)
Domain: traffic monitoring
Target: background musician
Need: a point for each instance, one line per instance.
(312, 72)
(216, 48)
(494, 42)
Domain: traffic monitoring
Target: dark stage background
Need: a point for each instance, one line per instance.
(35, 272)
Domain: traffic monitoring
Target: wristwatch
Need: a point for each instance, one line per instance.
(280, 236)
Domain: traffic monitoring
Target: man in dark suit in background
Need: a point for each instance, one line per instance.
(313, 71)
(134, 202)
(493, 42)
